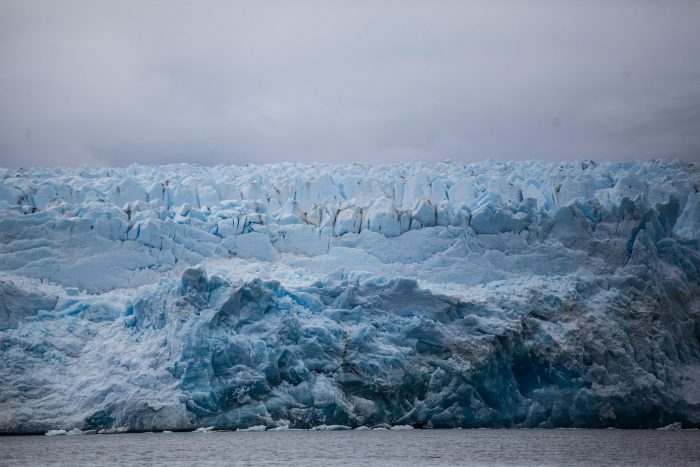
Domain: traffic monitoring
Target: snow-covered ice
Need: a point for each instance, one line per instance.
(460, 295)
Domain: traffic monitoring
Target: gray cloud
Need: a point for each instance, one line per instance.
(111, 83)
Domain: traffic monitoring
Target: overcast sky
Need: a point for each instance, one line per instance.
(111, 83)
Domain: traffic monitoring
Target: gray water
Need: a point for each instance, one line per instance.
(424, 447)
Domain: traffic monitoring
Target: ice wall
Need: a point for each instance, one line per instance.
(489, 294)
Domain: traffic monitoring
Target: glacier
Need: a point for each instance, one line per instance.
(521, 294)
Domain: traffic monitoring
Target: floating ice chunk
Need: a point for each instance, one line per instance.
(110, 431)
(254, 428)
(675, 426)
(402, 427)
(203, 429)
(56, 433)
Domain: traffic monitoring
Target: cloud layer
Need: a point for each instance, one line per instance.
(111, 83)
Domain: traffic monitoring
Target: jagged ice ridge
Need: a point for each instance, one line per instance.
(494, 294)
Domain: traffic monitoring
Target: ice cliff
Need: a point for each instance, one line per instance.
(461, 295)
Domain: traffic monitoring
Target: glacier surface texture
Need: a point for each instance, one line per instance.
(459, 295)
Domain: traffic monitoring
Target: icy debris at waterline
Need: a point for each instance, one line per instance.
(203, 429)
(671, 427)
(331, 428)
(254, 428)
(74, 431)
(448, 295)
(212, 429)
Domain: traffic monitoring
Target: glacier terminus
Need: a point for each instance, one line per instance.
(521, 294)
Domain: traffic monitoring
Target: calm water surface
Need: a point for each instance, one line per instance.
(423, 447)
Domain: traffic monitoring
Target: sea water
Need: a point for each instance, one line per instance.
(346, 448)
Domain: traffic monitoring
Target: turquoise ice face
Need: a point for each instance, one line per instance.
(519, 294)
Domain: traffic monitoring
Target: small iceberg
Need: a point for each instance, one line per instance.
(676, 426)
(402, 427)
(254, 428)
(111, 431)
(331, 428)
(203, 429)
(74, 431)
